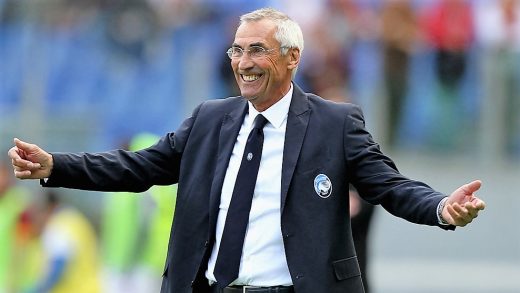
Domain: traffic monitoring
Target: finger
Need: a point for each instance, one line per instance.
(13, 154)
(25, 174)
(17, 155)
(19, 162)
(25, 164)
(453, 214)
(457, 218)
(471, 187)
(464, 214)
(478, 203)
(472, 210)
(18, 168)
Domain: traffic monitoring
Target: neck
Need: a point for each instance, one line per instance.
(260, 107)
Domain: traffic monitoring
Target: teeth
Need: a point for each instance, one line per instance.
(250, 77)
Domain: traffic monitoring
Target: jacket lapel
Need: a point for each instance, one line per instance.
(231, 124)
(297, 121)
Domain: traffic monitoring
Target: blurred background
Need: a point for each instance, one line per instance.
(438, 80)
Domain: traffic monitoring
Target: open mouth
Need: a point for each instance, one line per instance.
(251, 77)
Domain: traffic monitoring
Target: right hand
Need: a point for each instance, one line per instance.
(30, 161)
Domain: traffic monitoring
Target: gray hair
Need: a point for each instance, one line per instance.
(288, 32)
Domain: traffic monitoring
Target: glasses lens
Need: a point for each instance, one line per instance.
(256, 51)
(233, 52)
(253, 51)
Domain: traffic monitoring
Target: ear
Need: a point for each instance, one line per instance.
(294, 58)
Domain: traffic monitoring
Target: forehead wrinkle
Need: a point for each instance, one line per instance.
(260, 30)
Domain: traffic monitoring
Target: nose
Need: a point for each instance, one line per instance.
(245, 62)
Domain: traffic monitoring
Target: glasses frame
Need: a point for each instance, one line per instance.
(260, 53)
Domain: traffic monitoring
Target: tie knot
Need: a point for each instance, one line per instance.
(260, 122)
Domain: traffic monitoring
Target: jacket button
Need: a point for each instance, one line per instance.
(206, 243)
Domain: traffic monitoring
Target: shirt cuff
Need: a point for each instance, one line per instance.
(440, 207)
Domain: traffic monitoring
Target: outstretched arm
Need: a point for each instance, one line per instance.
(30, 161)
(462, 206)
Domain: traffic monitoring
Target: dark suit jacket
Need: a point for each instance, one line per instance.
(322, 137)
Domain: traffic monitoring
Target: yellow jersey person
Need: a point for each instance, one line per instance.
(70, 248)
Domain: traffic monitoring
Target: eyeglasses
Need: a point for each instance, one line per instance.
(253, 51)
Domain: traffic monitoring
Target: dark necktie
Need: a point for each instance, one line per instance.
(230, 251)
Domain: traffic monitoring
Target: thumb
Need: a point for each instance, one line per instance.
(30, 155)
(471, 187)
(24, 146)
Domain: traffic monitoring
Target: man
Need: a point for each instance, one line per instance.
(298, 230)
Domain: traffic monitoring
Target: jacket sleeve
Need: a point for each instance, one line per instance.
(121, 170)
(378, 180)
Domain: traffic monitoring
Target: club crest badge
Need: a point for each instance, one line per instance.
(323, 186)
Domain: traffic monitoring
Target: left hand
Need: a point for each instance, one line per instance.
(462, 205)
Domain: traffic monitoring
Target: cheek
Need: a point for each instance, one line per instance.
(275, 66)
(234, 65)
(272, 63)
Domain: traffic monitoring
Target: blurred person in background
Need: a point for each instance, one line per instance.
(399, 33)
(28, 256)
(132, 29)
(121, 235)
(449, 29)
(69, 243)
(135, 233)
(498, 35)
(299, 227)
(12, 203)
(361, 215)
(327, 69)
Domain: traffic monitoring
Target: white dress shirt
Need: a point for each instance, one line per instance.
(263, 260)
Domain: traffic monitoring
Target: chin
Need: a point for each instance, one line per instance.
(250, 97)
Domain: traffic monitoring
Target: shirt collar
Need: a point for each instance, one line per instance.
(277, 113)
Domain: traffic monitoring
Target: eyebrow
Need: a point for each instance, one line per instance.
(235, 45)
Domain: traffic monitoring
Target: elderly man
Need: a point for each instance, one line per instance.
(263, 190)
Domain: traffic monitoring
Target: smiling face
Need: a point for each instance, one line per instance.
(262, 80)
